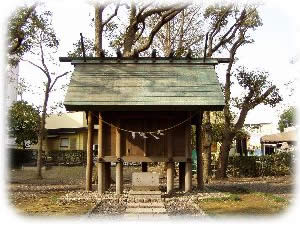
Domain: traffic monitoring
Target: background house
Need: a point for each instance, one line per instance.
(285, 141)
(256, 131)
(67, 131)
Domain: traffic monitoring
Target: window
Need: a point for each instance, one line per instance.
(64, 142)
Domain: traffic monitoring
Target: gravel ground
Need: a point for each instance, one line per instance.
(179, 203)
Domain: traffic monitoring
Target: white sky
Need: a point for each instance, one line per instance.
(275, 45)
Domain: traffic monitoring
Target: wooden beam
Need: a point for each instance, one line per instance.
(144, 159)
(89, 155)
(101, 168)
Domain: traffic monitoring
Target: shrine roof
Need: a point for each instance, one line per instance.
(113, 84)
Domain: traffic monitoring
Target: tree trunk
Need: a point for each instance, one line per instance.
(207, 141)
(131, 31)
(42, 132)
(98, 29)
(223, 158)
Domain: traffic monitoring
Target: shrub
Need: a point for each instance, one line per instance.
(19, 158)
(268, 165)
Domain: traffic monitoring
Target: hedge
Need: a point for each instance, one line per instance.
(238, 166)
(268, 165)
(19, 158)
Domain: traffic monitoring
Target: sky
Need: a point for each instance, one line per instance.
(274, 48)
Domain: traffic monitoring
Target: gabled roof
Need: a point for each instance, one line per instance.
(66, 120)
(144, 84)
(290, 136)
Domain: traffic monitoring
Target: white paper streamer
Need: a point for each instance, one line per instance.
(133, 135)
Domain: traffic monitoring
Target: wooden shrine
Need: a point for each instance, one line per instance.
(129, 97)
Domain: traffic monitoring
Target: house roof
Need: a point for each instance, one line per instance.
(290, 136)
(144, 84)
(66, 120)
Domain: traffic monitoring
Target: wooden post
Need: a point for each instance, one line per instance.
(144, 167)
(181, 174)
(101, 168)
(170, 165)
(200, 183)
(119, 166)
(188, 176)
(188, 156)
(89, 155)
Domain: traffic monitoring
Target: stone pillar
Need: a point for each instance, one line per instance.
(188, 156)
(119, 166)
(170, 165)
(101, 168)
(89, 155)
(144, 167)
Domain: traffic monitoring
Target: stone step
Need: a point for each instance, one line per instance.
(145, 205)
(145, 216)
(144, 196)
(145, 210)
(132, 192)
(144, 200)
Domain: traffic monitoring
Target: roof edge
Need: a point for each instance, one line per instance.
(158, 60)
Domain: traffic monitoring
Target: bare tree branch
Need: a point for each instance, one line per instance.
(112, 15)
(62, 75)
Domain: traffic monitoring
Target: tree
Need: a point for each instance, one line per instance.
(182, 33)
(24, 123)
(43, 48)
(257, 90)
(22, 27)
(287, 118)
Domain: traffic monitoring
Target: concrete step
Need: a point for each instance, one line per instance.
(145, 205)
(145, 210)
(132, 192)
(132, 216)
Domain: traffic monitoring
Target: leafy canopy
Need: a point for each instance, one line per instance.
(23, 27)
(287, 118)
(24, 123)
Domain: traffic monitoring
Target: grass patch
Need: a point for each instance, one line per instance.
(231, 197)
(272, 197)
(244, 204)
(54, 198)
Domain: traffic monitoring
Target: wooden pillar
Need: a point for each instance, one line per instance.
(188, 156)
(89, 155)
(199, 120)
(170, 165)
(181, 175)
(144, 167)
(119, 166)
(101, 168)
